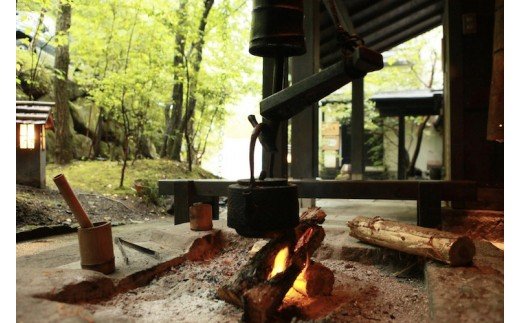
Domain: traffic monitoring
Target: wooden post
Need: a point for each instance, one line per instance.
(429, 205)
(358, 126)
(183, 198)
(304, 126)
(401, 167)
(280, 161)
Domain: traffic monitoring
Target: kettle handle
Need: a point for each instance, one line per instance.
(256, 132)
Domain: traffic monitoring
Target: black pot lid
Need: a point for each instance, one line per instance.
(264, 182)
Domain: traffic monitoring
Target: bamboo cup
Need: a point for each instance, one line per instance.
(95, 240)
(96, 248)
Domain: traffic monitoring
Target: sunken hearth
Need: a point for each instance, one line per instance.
(283, 280)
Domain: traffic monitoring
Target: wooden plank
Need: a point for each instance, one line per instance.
(389, 17)
(35, 103)
(308, 188)
(404, 23)
(401, 37)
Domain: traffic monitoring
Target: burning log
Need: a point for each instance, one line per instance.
(261, 285)
(450, 248)
(262, 301)
(313, 215)
(315, 280)
(255, 271)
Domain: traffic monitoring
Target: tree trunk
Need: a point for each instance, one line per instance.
(124, 111)
(197, 46)
(63, 150)
(173, 112)
(420, 131)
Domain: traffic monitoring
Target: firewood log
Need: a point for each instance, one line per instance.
(262, 301)
(258, 268)
(450, 248)
(313, 215)
(255, 271)
(317, 280)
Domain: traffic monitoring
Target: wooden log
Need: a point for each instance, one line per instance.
(447, 247)
(262, 301)
(255, 271)
(313, 215)
(306, 239)
(315, 280)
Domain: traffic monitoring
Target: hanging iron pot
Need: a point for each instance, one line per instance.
(259, 208)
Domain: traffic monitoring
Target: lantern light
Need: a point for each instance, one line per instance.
(27, 136)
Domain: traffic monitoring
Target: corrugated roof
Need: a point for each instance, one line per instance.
(383, 24)
(33, 112)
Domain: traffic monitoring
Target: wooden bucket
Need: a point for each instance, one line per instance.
(201, 217)
(96, 248)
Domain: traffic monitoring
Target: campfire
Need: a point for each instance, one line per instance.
(281, 273)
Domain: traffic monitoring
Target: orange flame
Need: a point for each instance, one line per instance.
(280, 262)
(280, 265)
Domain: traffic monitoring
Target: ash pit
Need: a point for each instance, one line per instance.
(361, 293)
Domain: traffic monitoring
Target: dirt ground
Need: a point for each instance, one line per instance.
(44, 207)
(362, 293)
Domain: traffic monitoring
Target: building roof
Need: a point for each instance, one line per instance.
(34, 112)
(409, 103)
(383, 24)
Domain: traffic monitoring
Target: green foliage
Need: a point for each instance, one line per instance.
(102, 176)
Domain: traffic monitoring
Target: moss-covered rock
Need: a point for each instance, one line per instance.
(85, 115)
(147, 148)
(81, 145)
(104, 150)
(34, 81)
(113, 131)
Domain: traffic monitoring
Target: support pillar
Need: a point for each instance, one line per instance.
(358, 126)
(280, 158)
(401, 164)
(305, 125)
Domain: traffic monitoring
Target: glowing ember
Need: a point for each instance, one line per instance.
(280, 262)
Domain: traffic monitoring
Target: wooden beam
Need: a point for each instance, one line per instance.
(304, 126)
(376, 9)
(389, 17)
(307, 188)
(405, 23)
(338, 11)
(357, 122)
(400, 38)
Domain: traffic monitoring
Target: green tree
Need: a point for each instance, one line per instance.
(63, 148)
